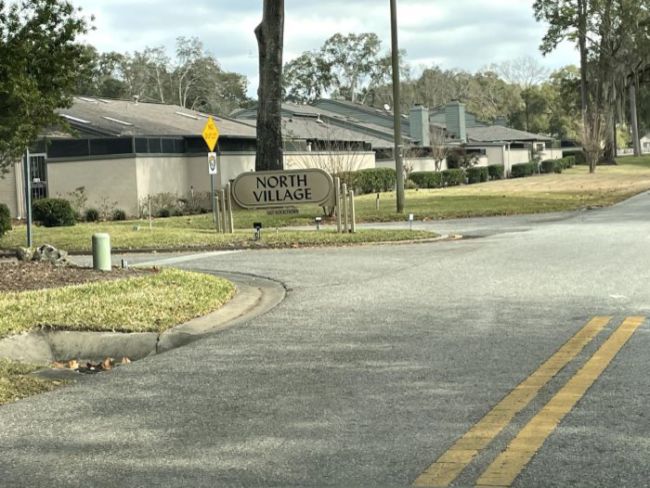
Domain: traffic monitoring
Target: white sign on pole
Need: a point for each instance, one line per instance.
(212, 163)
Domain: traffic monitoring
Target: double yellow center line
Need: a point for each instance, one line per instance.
(503, 471)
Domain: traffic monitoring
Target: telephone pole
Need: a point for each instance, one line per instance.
(399, 164)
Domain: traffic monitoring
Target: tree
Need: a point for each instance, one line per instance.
(525, 72)
(40, 60)
(351, 66)
(270, 37)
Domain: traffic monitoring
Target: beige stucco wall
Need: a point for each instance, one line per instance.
(167, 174)
(332, 162)
(11, 193)
(113, 180)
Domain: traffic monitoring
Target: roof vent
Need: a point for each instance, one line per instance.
(75, 119)
(117, 121)
(189, 116)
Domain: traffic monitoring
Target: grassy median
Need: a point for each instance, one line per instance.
(151, 303)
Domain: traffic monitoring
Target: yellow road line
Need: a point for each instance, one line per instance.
(448, 466)
(507, 466)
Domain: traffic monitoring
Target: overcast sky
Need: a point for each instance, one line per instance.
(466, 34)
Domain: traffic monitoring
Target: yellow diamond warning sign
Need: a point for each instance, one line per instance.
(210, 134)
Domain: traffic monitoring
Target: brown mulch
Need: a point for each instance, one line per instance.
(21, 276)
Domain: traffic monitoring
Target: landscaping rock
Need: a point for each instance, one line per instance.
(25, 253)
(51, 254)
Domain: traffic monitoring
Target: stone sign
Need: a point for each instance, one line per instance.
(265, 189)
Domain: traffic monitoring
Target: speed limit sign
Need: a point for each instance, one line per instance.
(212, 163)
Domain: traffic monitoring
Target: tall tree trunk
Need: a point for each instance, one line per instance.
(270, 35)
(633, 115)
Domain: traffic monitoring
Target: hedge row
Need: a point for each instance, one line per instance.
(524, 169)
(5, 219)
(557, 165)
(477, 175)
(373, 180)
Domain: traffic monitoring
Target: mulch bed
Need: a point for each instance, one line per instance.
(21, 276)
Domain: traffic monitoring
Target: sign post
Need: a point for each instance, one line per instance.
(211, 136)
(28, 197)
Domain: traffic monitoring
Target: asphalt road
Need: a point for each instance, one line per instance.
(379, 360)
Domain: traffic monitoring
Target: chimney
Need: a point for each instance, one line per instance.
(455, 120)
(419, 125)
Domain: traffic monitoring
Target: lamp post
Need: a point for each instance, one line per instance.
(399, 164)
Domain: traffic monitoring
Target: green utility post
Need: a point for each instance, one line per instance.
(102, 252)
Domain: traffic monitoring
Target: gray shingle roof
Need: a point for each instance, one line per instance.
(126, 118)
(496, 133)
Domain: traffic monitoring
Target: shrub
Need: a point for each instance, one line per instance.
(549, 165)
(164, 213)
(374, 180)
(119, 214)
(580, 158)
(91, 215)
(453, 159)
(53, 212)
(496, 171)
(5, 219)
(427, 179)
(477, 174)
(410, 185)
(523, 169)
(453, 177)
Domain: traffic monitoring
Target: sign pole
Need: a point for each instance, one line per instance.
(230, 214)
(28, 198)
(337, 198)
(213, 197)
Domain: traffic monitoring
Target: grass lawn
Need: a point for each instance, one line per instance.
(17, 383)
(151, 303)
(193, 233)
(572, 190)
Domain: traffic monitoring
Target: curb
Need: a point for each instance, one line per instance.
(254, 296)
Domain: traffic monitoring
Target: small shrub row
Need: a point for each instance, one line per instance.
(453, 177)
(427, 179)
(5, 219)
(53, 212)
(496, 171)
(374, 180)
(524, 169)
(477, 174)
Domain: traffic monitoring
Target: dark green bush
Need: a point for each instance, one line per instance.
(453, 177)
(580, 158)
(164, 213)
(53, 212)
(5, 219)
(496, 171)
(477, 174)
(119, 214)
(374, 180)
(91, 215)
(549, 165)
(523, 169)
(454, 158)
(427, 179)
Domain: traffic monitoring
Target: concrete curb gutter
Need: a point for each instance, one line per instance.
(254, 296)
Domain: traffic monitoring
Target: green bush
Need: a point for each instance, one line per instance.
(549, 165)
(496, 171)
(580, 158)
(453, 177)
(164, 213)
(523, 169)
(91, 215)
(5, 219)
(427, 179)
(118, 214)
(477, 174)
(374, 180)
(53, 212)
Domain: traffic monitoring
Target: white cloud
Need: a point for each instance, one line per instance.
(465, 34)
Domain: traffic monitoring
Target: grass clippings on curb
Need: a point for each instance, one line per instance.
(16, 381)
(152, 303)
